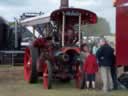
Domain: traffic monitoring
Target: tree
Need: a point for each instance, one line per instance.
(101, 28)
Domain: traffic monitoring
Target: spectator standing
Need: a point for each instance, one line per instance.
(105, 59)
(94, 49)
(84, 49)
(90, 68)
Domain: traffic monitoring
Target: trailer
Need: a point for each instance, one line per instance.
(54, 53)
(6, 35)
(121, 32)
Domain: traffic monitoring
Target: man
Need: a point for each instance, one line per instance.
(105, 59)
(71, 37)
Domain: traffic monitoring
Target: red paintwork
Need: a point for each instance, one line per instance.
(65, 49)
(27, 69)
(122, 35)
(45, 76)
(120, 2)
(40, 43)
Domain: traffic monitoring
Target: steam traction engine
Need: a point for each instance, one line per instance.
(55, 54)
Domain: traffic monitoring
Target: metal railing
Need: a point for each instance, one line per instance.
(10, 56)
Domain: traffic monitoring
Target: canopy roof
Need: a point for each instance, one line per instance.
(73, 13)
(42, 19)
(86, 16)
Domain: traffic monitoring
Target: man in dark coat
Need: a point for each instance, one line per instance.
(105, 56)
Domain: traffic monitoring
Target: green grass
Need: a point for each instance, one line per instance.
(12, 84)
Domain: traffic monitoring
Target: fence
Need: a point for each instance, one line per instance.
(11, 57)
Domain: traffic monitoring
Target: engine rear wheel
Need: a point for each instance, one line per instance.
(80, 78)
(47, 75)
(30, 60)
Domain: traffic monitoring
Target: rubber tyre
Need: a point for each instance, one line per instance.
(48, 79)
(80, 78)
(31, 74)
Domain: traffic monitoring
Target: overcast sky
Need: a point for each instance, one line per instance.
(14, 8)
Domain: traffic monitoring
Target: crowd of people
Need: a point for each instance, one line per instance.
(99, 58)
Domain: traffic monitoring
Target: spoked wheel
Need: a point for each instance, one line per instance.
(30, 60)
(47, 75)
(80, 78)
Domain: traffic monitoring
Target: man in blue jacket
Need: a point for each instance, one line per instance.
(105, 56)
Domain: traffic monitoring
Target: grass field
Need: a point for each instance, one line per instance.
(12, 84)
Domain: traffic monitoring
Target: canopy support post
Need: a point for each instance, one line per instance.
(80, 30)
(63, 29)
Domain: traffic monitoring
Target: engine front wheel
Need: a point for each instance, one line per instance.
(30, 60)
(47, 75)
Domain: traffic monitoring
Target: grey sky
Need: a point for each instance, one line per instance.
(13, 2)
(14, 8)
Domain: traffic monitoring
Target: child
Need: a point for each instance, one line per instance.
(83, 52)
(90, 67)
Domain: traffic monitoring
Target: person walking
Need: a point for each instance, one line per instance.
(90, 67)
(105, 59)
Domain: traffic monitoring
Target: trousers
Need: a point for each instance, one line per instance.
(106, 78)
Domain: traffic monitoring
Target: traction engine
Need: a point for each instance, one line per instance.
(55, 54)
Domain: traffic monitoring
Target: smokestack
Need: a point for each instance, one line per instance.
(64, 4)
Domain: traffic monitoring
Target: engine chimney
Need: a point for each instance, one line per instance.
(64, 4)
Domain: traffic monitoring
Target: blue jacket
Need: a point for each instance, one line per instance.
(105, 55)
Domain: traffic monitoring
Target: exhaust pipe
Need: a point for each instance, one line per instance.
(64, 4)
